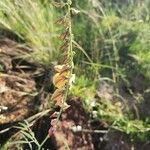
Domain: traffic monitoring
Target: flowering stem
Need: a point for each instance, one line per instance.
(70, 56)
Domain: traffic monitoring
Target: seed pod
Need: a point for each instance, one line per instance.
(65, 60)
(57, 95)
(59, 80)
(61, 20)
(64, 46)
(64, 35)
(61, 68)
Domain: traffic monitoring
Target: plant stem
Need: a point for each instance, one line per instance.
(70, 56)
(40, 146)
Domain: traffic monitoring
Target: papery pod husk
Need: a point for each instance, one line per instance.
(64, 46)
(66, 60)
(65, 74)
(65, 34)
(58, 99)
(61, 68)
(58, 95)
(63, 21)
(59, 80)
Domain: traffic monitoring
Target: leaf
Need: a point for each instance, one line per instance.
(61, 21)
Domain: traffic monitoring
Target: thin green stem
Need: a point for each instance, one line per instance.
(70, 51)
(40, 146)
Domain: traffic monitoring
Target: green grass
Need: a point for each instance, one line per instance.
(115, 37)
(33, 21)
(106, 30)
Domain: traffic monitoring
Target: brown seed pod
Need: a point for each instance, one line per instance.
(59, 80)
(58, 95)
(61, 68)
(64, 35)
(63, 21)
(64, 46)
(65, 60)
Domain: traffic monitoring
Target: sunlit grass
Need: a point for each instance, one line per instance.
(32, 21)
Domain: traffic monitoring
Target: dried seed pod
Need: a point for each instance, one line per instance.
(58, 95)
(51, 131)
(65, 60)
(63, 21)
(64, 46)
(59, 80)
(63, 78)
(59, 21)
(64, 35)
(61, 68)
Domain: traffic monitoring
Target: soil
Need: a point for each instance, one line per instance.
(64, 135)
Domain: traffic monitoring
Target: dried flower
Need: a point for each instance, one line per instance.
(63, 76)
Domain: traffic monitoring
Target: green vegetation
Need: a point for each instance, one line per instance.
(112, 45)
(33, 22)
(115, 37)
